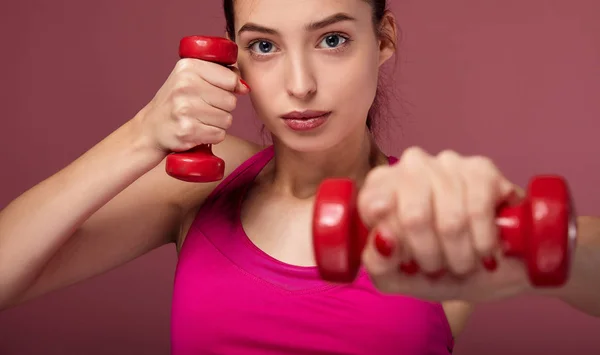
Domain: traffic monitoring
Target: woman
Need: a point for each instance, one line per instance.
(245, 280)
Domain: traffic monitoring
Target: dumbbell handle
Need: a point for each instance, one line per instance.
(199, 164)
(540, 229)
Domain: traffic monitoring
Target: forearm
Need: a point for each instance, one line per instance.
(583, 289)
(35, 225)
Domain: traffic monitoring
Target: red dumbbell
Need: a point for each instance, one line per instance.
(199, 164)
(541, 229)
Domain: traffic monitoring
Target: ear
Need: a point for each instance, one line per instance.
(388, 40)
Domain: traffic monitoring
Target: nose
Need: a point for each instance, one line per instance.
(299, 77)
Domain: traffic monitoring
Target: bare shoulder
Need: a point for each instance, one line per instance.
(458, 314)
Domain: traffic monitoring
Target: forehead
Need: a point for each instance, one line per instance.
(281, 13)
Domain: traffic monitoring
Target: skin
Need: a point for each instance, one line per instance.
(103, 216)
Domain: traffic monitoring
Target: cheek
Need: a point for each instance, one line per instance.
(264, 86)
(353, 85)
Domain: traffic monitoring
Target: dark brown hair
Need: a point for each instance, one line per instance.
(379, 8)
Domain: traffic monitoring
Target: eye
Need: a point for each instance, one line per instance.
(333, 40)
(262, 47)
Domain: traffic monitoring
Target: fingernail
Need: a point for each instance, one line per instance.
(384, 245)
(490, 263)
(245, 84)
(409, 268)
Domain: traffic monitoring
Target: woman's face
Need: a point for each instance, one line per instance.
(311, 58)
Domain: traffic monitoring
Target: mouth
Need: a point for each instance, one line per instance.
(305, 120)
(305, 115)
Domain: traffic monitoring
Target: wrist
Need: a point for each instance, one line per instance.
(580, 290)
(140, 141)
(126, 150)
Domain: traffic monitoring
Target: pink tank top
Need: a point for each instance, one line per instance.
(232, 298)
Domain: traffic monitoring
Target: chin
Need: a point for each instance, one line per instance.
(308, 144)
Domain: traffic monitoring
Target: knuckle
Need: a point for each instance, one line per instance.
(413, 152)
(452, 225)
(227, 121)
(183, 83)
(478, 213)
(230, 102)
(448, 155)
(449, 158)
(479, 206)
(181, 109)
(231, 80)
(376, 175)
(213, 134)
(220, 135)
(481, 164)
(379, 181)
(184, 64)
(185, 129)
(413, 158)
(415, 218)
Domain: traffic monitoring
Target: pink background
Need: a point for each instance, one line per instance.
(523, 76)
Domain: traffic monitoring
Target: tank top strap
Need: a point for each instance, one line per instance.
(247, 171)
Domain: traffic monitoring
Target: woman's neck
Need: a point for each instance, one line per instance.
(299, 174)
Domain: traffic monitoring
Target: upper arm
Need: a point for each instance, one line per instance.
(458, 314)
(144, 216)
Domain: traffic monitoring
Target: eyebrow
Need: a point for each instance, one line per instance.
(313, 26)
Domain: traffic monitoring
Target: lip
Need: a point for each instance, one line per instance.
(304, 115)
(304, 121)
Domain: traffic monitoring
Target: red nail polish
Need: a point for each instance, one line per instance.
(385, 246)
(489, 262)
(409, 268)
(245, 84)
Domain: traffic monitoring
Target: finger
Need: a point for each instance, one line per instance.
(244, 88)
(209, 134)
(215, 74)
(215, 117)
(226, 78)
(382, 266)
(389, 241)
(383, 248)
(193, 133)
(415, 211)
(389, 238)
(192, 111)
(487, 189)
(218, 98)
(374, 200)
(452, 223)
